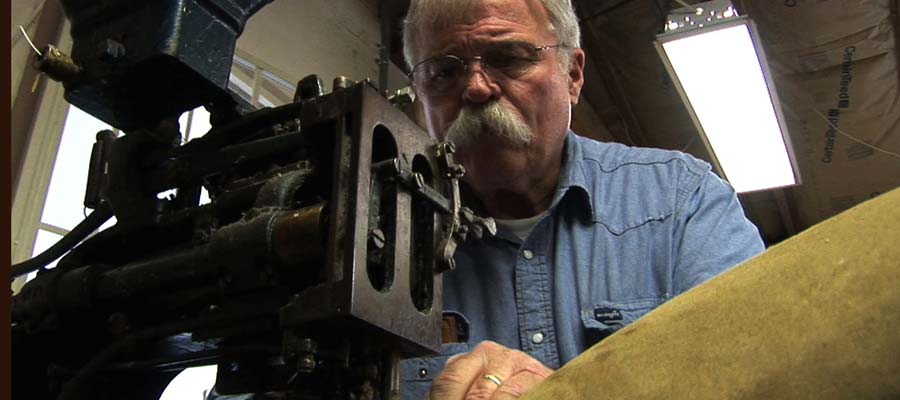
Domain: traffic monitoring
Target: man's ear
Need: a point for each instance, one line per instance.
(576, 75)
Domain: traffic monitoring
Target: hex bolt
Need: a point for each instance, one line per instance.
(310, 87)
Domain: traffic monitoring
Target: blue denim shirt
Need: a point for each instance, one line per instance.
(628, 229)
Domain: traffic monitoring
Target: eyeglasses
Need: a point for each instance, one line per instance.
(446, 73)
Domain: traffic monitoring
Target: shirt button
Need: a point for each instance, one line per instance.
(528, 254)
(537, 338)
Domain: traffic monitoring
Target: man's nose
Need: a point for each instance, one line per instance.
(479, 87)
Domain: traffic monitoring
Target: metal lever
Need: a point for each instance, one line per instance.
(462, 219)
(455, 232)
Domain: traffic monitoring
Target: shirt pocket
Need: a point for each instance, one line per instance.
(416, 374)
(606, 317)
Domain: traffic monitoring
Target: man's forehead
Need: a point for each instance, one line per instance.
(494, 19)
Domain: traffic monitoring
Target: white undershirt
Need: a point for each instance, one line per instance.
(520, 227)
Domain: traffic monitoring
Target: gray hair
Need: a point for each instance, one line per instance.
(425, 15)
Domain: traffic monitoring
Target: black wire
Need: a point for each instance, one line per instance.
(70, 240)
(604, 11)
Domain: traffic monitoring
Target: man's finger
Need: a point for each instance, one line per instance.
(500, 363)
(487, 368)
(519, 384)
(458, 376)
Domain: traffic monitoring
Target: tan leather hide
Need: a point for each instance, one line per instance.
(815, 317)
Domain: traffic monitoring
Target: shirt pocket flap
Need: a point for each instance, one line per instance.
(610, 316)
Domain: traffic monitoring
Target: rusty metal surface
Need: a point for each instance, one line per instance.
(327, 224)
(369, 130)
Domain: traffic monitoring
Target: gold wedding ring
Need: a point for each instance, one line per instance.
(493, 378)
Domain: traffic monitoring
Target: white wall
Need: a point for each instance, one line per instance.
(294, 38)
(324, 37)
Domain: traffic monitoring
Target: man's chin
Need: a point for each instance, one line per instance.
(489, 140)
(492, 155)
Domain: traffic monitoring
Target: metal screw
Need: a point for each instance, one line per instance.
(307, 363)
(418, 180)
(449, 147)
(376, 238)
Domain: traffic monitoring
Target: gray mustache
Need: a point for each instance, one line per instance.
(491, 119)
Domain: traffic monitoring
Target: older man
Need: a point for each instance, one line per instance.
(591, 235)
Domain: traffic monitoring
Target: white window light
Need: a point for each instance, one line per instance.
(720, 71)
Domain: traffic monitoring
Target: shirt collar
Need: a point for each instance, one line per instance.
(572, 183)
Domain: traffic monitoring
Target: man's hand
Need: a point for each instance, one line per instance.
(491, 371)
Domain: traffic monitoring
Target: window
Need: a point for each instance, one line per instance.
(61, 213)
(257, 85)
(192, 384)
(63, 208)
(63, 205)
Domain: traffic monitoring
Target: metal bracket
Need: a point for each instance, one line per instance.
(462, 220)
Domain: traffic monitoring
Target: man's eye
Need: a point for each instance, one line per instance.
(509, 63)
(512, 58)
(442, 70)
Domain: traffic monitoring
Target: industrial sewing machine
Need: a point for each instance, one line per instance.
(312, 271)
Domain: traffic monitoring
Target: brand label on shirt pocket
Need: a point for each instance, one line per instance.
(608, 315)
(605, 317)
